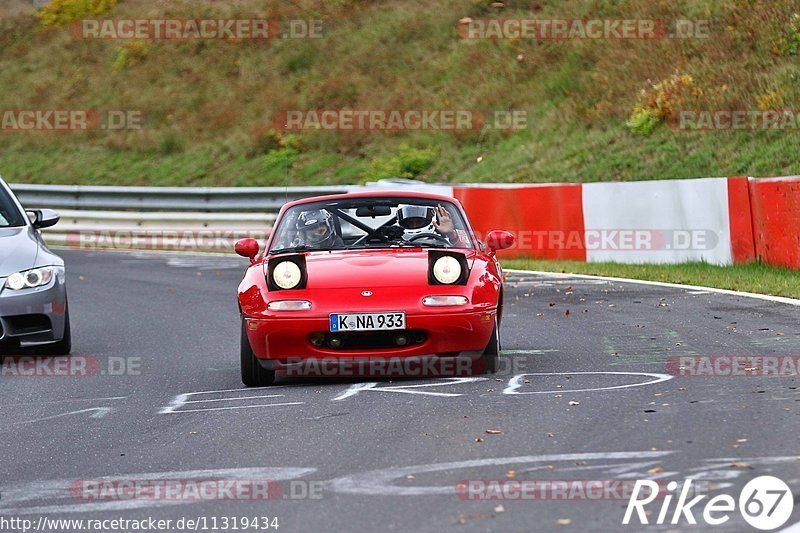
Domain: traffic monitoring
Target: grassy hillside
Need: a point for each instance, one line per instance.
(209, 105)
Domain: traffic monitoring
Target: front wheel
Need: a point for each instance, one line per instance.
(491, 354)
(253, 374)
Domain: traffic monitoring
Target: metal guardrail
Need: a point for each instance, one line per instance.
(198, 199)
(174, 218)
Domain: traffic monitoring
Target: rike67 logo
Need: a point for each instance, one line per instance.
(765, 503)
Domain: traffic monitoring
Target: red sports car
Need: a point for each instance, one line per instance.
(350, 282)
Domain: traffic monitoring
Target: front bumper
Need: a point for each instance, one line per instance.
(35, 316)
(281, 339)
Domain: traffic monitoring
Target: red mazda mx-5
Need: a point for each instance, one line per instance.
(368, 278)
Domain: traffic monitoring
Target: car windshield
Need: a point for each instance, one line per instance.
(364, 223)
(9, 213)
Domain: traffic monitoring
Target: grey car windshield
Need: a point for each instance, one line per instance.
(364, 223)
(9, 213)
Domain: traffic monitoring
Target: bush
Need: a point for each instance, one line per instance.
(58, 13)
(789, 44)
(661, 103)
(409, 163)
(131, 53)
(280, 159)
(642, 121)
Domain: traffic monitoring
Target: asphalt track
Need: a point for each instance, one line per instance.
(388, 456)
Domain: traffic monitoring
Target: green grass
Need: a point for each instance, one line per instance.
(209, 106)
(753, 277)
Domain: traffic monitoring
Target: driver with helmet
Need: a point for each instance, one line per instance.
(419, 220)
(316, 229)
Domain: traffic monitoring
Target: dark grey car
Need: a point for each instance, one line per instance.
(33, 291)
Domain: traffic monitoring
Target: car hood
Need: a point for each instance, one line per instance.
(18, 250)
(370, 268)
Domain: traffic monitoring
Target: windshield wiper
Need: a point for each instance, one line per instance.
(428, 245)
(403, 244)
(293, 249)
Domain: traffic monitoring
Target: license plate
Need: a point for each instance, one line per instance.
(367, 321)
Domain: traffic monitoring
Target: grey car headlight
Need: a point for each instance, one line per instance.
(28, 279)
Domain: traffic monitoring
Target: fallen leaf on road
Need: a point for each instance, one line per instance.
(741, 440)
(740, 465)
(511, 474)
(656, 470)
(567, 313)
(563, 521)
(493, 432)
(478, 439)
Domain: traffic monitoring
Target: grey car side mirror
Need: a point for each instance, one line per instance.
(44, 218)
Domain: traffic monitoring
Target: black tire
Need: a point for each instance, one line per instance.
(62, 347)
(253, 374)
(491, 354)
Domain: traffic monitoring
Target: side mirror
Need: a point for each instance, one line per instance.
(500, 240)
(44, 218)
(247, 248)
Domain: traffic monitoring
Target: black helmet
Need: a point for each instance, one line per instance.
(415, 219)
(316, 227)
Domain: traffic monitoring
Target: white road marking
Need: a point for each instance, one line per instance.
(235, 399)
(524, 352)
(184, 399)
(517, 381)
(379, 482)
(372, 386)
(63, 401)
(59, 489)
(235, 407)
(99, 412)
(559, 275)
